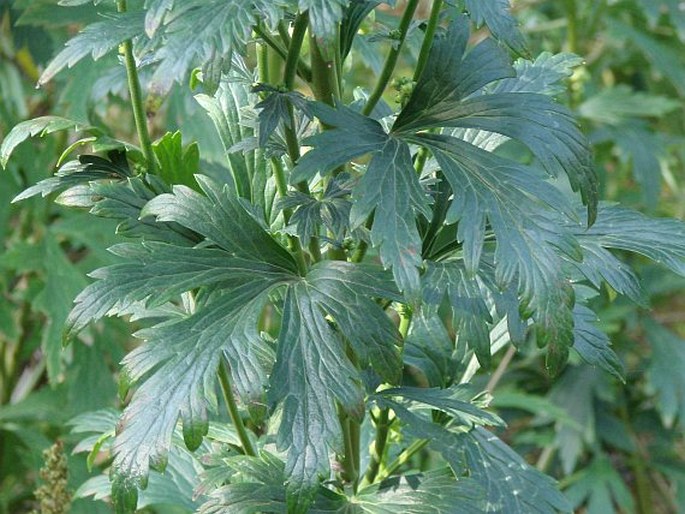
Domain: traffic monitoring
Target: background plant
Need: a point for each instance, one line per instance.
(214, 278)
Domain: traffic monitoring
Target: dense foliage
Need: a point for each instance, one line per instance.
(343, 301)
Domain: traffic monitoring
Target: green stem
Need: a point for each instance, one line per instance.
(432, 26)
(350, 472)
(303, 70)
(572, 27)
(325, 84)
(293, 241)
(293, 57)
(402, 458)
(236, 418)
(391, 59)
(378, 449)
(137, 98)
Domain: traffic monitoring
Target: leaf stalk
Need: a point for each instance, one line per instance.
(236, 418)
(136, 95)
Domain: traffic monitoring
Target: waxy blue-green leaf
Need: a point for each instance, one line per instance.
(519, 206)
(155, 273)
(433, 492)
(176, 368)
(659, 239)
(458, 401)
(324, 17)
(600, 487)
(390, 189)
(331, 210)
(222, 219)
(444, 97)
(496, 14)
(429, 348)
(311, 373)
(512, 486)
(471, 314)
(593, 345)
(352, 135)
(96, 39)
(37, 127)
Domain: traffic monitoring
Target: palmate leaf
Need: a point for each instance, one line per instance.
(324, 16)
(429, 348)
(511, 485)
(96, 39)
(155, 273)
(593, 345)
(659, 239)
(433, 492)
(390, 187)
(312, 369)
(518, 204)
(463, 290)
(221, 219)
(444, 97)
(185, 356)
(498, 18)
(37, 127)
(391, 190)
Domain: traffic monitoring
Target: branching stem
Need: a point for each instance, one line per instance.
(391, 60)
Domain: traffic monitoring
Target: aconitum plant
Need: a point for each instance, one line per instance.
(312, 312)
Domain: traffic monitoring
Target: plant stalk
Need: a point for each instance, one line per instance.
(402, 459)
(236, 418)
(378, 448)
(137, 98)
(391, 59)
(432, 26)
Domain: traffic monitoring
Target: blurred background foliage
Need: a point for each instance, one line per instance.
(615, 447)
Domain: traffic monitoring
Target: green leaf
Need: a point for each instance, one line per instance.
(662, 57)
(311, 373)
(155, 273)
(205, 28)
(433, 492)
(331, 210)
(86, 169)
(222, 219)
(444, 97)
(324, 17)
(593, 345)
(96, 39)
(615, 104)
(275, 110)
(62, 283)
(600, 488)
(177, 366)
(36, 127)
(429, 348)
(471, 314)
(156, 10)
(511, 485)
(659, 239)
(668, 358)
(458, 401)
(344, 291)
(450, 76)
(177, 165)
(225, 109)
(518, 204)
(391, 190)
(352, 136)
(544, 75)
(496, 14)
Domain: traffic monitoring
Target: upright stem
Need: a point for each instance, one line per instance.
(428, 38)
(236, 418)
(137, 98)
(391, 60)
(403, 458)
